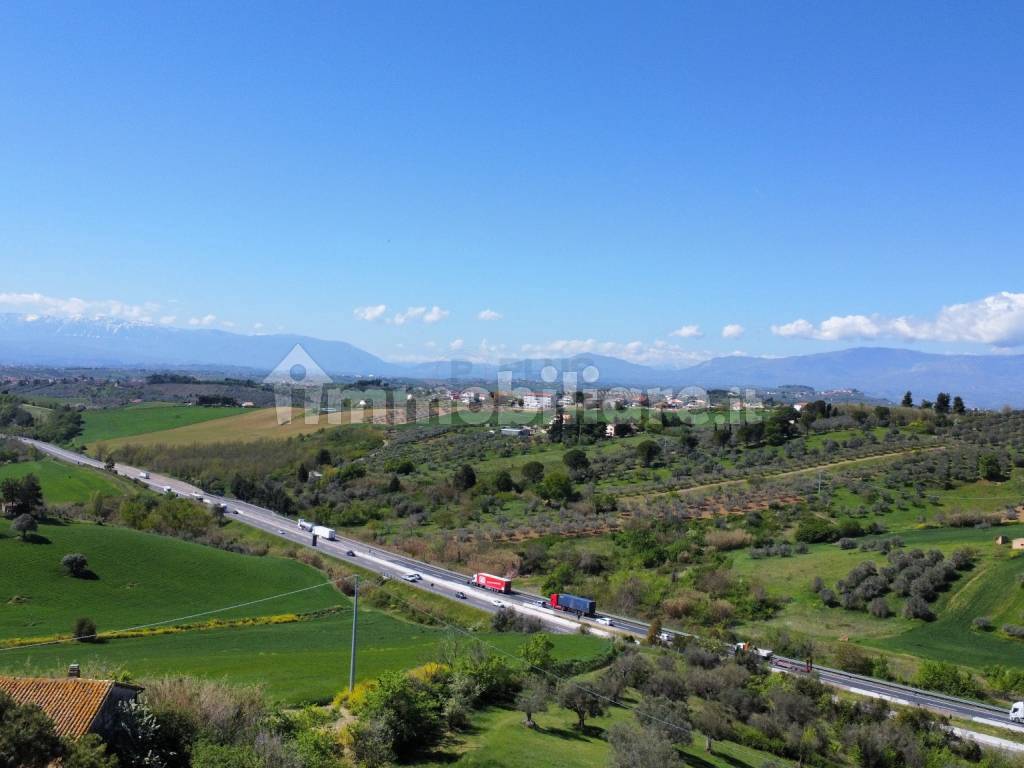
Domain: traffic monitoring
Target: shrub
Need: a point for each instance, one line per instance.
(946, 678)
(85, 630)
(850, 658)
(917, 608)
(813, 530)
(727, 539)
(1014, 630)
(464, 478)
(75, 563)
(879, 608)
(983, 623)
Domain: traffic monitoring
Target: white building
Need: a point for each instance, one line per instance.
(537, 401)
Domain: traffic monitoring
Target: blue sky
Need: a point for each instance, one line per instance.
(598, 175)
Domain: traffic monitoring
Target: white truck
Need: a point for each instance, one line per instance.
(144, 475)
(323, 532)
(305, 525)
(1017, 712)
(764, 653)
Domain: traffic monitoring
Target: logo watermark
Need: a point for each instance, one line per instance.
(534, 394)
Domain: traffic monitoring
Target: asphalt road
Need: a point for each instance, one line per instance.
(446, 582)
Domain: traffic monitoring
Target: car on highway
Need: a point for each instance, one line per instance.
(460, 595)
(166, 488)
(498, 603)
(605, 621)
(412, 577)
(280, 532)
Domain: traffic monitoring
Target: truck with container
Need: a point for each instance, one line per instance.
(305, 525)
(1017, 712)
(581, 606)
(323, 532)
(491, 582)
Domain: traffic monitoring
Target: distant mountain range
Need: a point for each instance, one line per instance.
(983, 380)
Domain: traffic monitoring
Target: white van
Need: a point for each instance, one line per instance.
(1017, 712)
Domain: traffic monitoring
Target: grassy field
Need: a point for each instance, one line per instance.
(251, 425)
(63, 483)
(498, 738)
(142, 578)
(990, 589)
(298, 662)
(113, 423)
(139, 578)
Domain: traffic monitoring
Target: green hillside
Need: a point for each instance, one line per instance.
(140, 578)
(63, 483)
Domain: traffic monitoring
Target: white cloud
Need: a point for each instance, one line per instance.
(205, 320)
(687, 332)
(430, 316)
(257, 326)
(489, 314)
(435, 314)
(456, 345)
(168, 320)
(39, 304)
(414, 311)
(997, 320)
(732, 331)
(372, 312)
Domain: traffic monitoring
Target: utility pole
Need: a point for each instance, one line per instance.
(355, 621)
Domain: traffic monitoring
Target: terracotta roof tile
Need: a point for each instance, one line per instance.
(72, 703)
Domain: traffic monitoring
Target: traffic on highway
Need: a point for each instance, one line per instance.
(560, 613)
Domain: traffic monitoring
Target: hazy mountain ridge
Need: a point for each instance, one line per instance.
(983, 380)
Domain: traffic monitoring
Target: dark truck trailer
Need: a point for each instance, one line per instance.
(574, 604)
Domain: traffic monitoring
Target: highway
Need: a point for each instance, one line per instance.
(447, 583)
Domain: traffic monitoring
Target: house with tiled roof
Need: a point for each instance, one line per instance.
(75, 705)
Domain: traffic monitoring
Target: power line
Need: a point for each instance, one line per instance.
(153, 624)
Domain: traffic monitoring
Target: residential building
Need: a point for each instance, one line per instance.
(76, 706)
(537, 401)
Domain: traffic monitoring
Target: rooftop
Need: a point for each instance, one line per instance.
(72, 703)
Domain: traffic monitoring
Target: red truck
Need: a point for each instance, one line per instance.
(494, 583)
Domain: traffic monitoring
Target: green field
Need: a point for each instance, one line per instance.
(143, 578)
(112, 423)
(63, 483)
(498, 738)
(298, 662)
(991, 589)
(140, 578)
